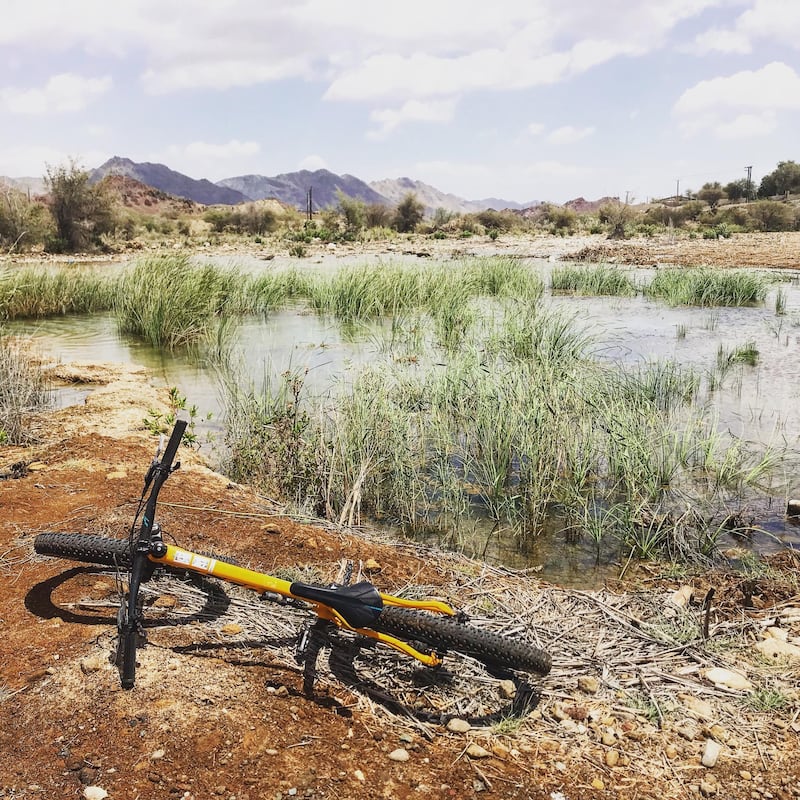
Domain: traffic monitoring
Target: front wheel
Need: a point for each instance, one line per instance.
(88, 548)
(447, 633)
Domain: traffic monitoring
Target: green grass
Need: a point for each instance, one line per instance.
(592, 280)
(170, 302)
(708, 287)
(29, 292)
(23, 389)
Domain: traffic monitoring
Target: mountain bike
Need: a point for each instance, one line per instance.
(422, 629)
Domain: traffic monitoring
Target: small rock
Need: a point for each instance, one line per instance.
(157, 754)
(598, 784)
(711, 753)
(728, 678)
(588, 684)
(670, 751)
(401, 754)
(507, 689)
(95, 793)
(776, 648)
(406, 738)
(457, 725)
(92, 663)
(231, 629)
(282, 691)
(745, 775)
(372, 565)
(608, 738)
(682, 597)
(500, 751)
(359, 775)
(699, 709)
(474, 750)
(612, 758)
(270, 527)
(707, 788)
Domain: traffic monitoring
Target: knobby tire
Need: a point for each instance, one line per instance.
(446, 633)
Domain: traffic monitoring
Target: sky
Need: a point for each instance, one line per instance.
(524, 100)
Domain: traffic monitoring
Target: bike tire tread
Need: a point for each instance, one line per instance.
(447, 633)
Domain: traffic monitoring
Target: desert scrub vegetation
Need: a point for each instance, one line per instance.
(23, 389)
(592, 280)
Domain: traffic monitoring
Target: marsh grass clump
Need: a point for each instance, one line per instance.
(592, 280)
(707, 287)
(33, 292)
(23, 389)
(170, 302)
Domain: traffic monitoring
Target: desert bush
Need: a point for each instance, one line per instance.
(82, 212)
(618, 217)
(23, 223)
(377, 215)
(408, 214)
(560, 219)
(771, 215)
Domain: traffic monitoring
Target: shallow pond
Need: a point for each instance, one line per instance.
(757, 403)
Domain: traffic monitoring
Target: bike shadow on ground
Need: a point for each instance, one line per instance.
(39, 602)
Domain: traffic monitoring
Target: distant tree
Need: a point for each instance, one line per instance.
(354, 212)
(377, 215)
(784, 178)
(408, 214)
(711, 193)
(770, 215)
(693, 209)
(738, 190)
(24, 223)
(82, 212)
(618, 217)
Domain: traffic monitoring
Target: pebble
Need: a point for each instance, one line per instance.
(457, 725)
(507, 689)
(708, 789)
(360, 776)
(612, 758)
(401, 754)
(474, 750)
(95, 793)
(92, 663)
(727, 678)
(588, 684)
(711, 753)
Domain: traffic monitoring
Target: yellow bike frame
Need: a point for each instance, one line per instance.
(261, 582)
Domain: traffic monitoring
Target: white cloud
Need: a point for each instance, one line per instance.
(312, 163)
(721, 41)
(33, 160)
(747, 126)
(411, 111)
(772, 20)
(221, 152)
(568, 134)
(62, 93)
(774, 86)
(536, 128)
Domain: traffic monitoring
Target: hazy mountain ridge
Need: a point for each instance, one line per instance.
(293, 187)
(168, 180)
(290, 188)
(432, 198)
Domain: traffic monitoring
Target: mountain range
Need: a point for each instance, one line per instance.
(292, 188)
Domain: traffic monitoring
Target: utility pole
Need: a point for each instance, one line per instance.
(678, 190)
(309, 212)
(749, 190)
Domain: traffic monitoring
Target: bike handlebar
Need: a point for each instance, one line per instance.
(159, 471)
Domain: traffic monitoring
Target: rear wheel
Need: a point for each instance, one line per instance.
(447, 633)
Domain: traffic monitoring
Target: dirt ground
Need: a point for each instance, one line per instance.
(221, 709)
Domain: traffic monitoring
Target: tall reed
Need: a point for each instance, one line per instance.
(42, 292)
(708, 287)
(592, 280)
(170, 302)
(23, 389)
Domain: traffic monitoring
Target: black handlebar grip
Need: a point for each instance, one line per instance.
(129, 642)
(174, 443)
